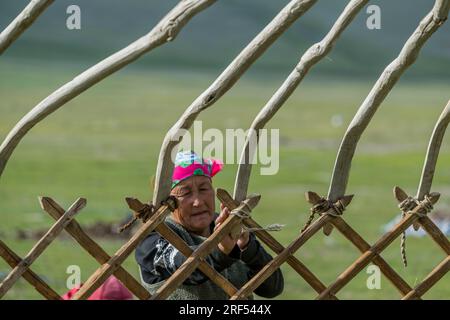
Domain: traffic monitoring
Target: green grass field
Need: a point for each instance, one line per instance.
(104, 146)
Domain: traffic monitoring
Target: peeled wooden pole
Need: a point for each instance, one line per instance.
(311, 57)
(426, 182)
(434, 146)
(408, 55)
(26, 18)
(166, 30)
(222, 84)
(429, 166)
(285, 18)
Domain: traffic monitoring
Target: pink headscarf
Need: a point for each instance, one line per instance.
(188, 163)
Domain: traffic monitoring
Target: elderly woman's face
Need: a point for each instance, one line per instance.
(195, 204)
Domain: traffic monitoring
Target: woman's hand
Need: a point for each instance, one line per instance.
(227, 243)
(243, 240)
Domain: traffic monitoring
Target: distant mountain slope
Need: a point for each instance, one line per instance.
(214, 37)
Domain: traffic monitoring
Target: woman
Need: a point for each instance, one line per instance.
(194, 220)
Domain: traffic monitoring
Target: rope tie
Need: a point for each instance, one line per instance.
(147, 210)
(327, 207)
(270, 228)
(405, 206)
(322, 206)
(338, 209)
(142, 214)
(403, 244)
(425, 206)
(408, 204)
(244, 213)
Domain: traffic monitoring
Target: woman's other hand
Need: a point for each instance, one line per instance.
(227, 244)
(243, 240)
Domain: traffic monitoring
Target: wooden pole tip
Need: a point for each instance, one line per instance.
(45, 202)
(312, 197)
(400, 194)
(347, 199)
(134, 203)
(434, 197)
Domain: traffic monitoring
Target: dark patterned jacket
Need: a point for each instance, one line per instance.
(158, 260)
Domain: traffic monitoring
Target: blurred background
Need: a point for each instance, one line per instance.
(104, 144)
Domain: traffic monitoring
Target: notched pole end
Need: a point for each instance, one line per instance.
(171, 202)
(45, 203)
(224, 196)
(400, 194)
(434, 197)
(327, 229)
(134, 204)
(252, 200)
(48, 204)
(347, 199)
(322, 205)
(141, 210)
(80, 203)
(312, 197)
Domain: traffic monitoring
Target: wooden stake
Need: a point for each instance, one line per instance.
(273, 265)
(40, 246)
(363, 246)
(87, 243)
(378, 247)
(107, 269)
(13, 260)
(435, 275)
(273, 244)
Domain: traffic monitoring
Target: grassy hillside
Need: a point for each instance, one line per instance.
(104, 146)
(215, 36)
